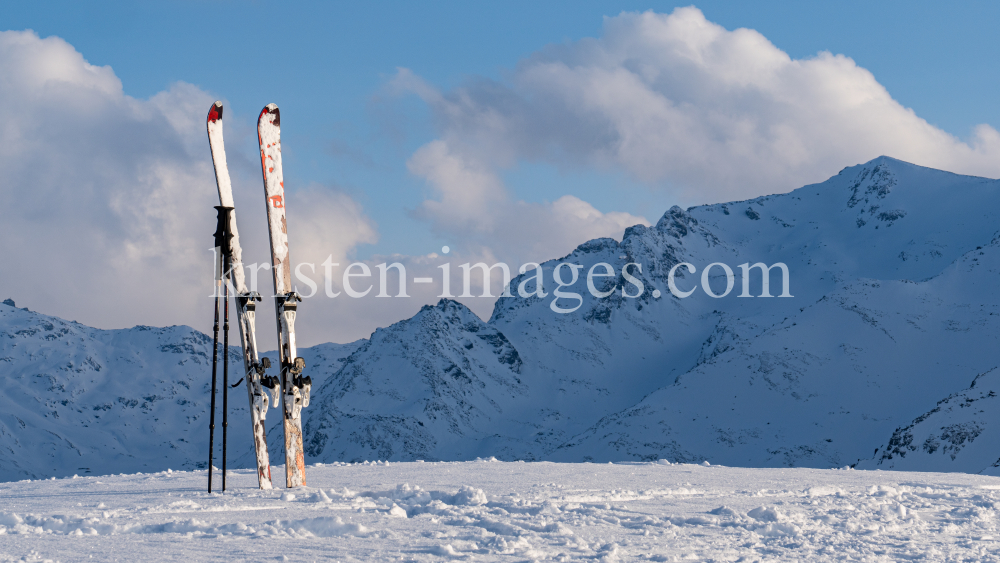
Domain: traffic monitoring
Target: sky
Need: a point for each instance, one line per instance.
(506, 131)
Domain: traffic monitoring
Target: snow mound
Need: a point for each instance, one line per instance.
(505, 511)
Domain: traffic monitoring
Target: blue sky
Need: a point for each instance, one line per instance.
(497, 128)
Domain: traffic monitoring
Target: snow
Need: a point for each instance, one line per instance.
(508, 511)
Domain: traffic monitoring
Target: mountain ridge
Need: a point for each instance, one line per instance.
(891, 310)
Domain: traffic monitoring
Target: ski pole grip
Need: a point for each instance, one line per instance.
(223, 229)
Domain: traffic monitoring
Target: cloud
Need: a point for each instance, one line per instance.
(681, 103)
(100, 191)
(326, 223)
(108, 219)
(107, 200)
(475, 207)
(469, 193)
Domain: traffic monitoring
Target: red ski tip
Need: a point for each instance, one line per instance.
(272, 109)
(215, 113)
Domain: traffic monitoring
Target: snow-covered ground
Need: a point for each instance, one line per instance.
(508, 511)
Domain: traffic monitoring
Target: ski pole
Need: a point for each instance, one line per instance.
(227, 259)
(215, 365)
(225, 377)
(222, 236)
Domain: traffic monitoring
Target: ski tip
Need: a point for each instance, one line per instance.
(215, 112)
(271, 109)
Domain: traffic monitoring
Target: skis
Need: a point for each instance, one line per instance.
(246, 303)
(295, 388)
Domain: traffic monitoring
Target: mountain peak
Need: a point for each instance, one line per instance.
(888, 161)
(902, 167)
(885, 160)
(675, 221)
(445, 306)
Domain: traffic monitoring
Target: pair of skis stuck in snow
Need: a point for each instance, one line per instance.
(291, 387)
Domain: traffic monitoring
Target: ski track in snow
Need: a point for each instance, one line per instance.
(508, 511)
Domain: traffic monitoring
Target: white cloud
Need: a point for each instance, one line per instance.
(107, 200)
(325, 223)
(102, 199)
(476, 209)
(107, 214)
(680, 102)
(469, 193)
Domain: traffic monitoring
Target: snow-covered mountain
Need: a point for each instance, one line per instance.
(892, 316)
(438, 384)
(891, 268)
(79, 400)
